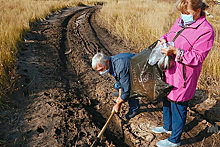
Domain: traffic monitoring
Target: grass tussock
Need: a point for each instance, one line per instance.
(15, 17)
(143, 22)
(138, 22)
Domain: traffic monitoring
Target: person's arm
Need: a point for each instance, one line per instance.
(125, 85)
(117, 106)
(124, 91)
(197, 54)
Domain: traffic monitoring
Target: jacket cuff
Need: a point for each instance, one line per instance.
(124, 97)
(179, 55)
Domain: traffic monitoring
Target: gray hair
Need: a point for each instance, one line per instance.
(99, 58)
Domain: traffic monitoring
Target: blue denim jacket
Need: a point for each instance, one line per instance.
(119, 65)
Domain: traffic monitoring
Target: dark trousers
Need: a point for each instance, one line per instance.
(174, 118)
(132, 102)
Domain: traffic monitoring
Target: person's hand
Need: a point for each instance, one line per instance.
(162, 41)
(118, 99)
(117, 106)
(169, 51)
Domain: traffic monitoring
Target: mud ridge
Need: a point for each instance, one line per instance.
(61, 101)
(101, 120)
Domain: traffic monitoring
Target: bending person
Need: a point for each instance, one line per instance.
(118, 67)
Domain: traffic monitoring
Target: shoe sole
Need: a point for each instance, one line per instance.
(167, 144)
(168, 132)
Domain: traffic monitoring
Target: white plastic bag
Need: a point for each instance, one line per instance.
(164, 62)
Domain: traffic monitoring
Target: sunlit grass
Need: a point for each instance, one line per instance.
(139, 22)
(211, 66)
(15, 18)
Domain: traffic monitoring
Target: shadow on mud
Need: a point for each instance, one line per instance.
(194, 131)
(64, 74)
(52, 78)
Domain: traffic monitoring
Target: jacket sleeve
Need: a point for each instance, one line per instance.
(124, 81)
(125, 86)
(200, 50)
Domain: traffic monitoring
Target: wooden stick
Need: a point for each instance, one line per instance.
(103, 129)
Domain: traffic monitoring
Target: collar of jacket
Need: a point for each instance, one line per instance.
(111, 67)
(194, 25)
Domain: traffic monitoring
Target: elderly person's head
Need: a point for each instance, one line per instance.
(191, 9)
(100, 62)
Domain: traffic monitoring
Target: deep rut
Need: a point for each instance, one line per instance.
(83, 44)
(61, 101)
(72, 58)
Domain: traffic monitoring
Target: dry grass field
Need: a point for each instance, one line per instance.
(138, 22)
(14, 21)
(15, 17)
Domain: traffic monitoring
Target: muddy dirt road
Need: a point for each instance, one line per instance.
(61, 101)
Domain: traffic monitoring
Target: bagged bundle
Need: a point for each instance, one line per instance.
(163, 62)
(147, 80)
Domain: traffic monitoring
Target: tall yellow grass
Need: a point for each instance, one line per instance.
(15, 17)
(143, 22)
(140, 22)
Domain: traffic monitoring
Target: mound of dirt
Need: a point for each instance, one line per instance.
(61, 101)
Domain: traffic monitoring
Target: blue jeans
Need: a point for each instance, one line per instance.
(174, 118)
(132, 102)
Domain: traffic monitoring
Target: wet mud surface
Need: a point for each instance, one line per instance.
(61, 101)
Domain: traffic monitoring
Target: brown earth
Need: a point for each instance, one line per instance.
(61, 101)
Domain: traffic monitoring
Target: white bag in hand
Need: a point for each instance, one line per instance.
(164, 62)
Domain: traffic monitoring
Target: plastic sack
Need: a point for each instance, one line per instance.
(146, 80)
(164, 62)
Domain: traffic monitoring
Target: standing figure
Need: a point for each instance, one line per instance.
(195, 39)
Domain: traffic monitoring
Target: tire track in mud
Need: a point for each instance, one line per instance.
(67, 103)
(88, 40)
(91, 47)
(68, 70)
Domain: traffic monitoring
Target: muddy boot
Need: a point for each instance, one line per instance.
(131, 114)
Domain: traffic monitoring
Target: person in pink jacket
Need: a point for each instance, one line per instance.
(191, 46)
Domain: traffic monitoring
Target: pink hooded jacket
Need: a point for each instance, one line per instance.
(195, 42)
